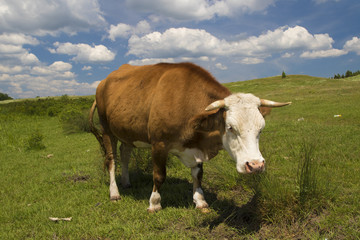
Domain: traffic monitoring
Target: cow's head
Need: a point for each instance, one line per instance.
(243, 125)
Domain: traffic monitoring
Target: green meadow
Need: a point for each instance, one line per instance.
(51, 166)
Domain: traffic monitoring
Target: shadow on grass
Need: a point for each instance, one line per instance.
(245, 218)
(177, 193)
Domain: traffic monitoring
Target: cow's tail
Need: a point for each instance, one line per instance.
(94, 130)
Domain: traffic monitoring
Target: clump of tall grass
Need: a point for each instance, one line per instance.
(308, 178)
(35, 141)
(74, 120)
(283, 200)
(313, 188)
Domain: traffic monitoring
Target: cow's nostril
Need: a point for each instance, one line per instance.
(255, 166)
(249, 168)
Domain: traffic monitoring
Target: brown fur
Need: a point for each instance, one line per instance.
(265, 111)
(163, 105)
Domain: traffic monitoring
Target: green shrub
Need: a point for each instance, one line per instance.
(53, 111)
(74, 120)
(35, 141)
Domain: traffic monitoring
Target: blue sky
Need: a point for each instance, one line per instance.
(57, 47)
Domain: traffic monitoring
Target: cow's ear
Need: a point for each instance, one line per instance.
(208, 121)
(265, 111)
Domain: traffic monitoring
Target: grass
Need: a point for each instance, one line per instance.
(310, 189)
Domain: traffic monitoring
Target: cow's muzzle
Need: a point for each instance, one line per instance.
(255, 166)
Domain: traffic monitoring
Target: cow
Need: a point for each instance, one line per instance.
(176, 108)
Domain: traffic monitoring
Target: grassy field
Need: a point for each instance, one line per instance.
(309, 191)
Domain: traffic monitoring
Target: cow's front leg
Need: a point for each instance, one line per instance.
(198, 194)
(159, 157)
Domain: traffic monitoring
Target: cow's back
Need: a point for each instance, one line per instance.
(155, 102)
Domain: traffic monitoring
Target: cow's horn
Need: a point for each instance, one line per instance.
(268, 103)
(215, 105)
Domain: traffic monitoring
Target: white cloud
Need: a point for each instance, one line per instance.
(42, 80)
(287, 55)
(286, 37)
(221, 66)
(123, 30)
(95, 84)
(29, 59)
(8, 69)
(86, 68)
(323, 53)
(52, 80)
(12, 49)
(58, 69)
(18, 39)
(324, 1)
(189, 59)
(175, 42)
(199, 9)
(84, 52)
(142, 27)
(148, 61)
(60, 66)
(250, 60)
(41, 17)
(195, 43)
(353, 45)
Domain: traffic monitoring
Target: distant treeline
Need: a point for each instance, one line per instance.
(4, 96)
(347, 74)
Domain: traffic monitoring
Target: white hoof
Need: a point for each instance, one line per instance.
(154, 201)
(199, 199)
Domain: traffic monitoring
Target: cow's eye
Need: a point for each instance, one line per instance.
(231, 129)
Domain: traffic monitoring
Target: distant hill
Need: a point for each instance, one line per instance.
(303, 89)
(277, 85)
(295, 86)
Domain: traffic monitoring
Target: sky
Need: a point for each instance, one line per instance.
(58, 47)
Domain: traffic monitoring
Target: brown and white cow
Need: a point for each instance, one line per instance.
(179, 109)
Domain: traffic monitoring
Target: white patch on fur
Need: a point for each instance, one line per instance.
(199, 199)
(154, 201)
(190, 157)
(114, 191)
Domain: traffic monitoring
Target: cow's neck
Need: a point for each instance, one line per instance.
(209, 141)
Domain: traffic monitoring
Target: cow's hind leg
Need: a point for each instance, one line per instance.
(125, 153)
(110, 143)
(198, 194)
(159, 157)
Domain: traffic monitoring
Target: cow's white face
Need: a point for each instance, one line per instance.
(243, 125)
